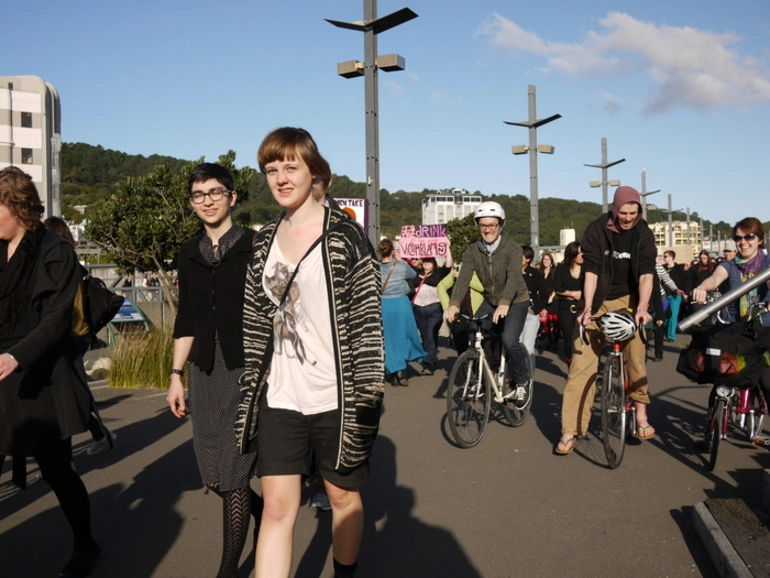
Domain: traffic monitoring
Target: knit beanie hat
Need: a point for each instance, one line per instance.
(623, 196)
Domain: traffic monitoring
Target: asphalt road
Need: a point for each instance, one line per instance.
(507, 507)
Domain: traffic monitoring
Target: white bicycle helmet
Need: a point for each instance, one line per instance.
(617, 325)
(490, 209)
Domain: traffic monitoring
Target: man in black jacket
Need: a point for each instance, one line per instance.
(619, 263)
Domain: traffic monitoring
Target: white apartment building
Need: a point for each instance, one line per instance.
(679, 237)
(30, 134)
(449, 204)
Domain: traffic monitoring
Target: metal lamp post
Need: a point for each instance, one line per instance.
(532, 124)
(645, 193)
(603, 183)
(670, 222)
(371, 26)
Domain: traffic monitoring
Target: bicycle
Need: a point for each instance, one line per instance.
(744, 405)
(474, 386)
(618, 326)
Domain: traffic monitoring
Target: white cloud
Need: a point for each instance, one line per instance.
(686, 67)
(394, 88)
(610, 103)
(440, 98)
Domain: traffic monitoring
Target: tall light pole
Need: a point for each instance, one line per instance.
(533, 149)
(604, 166)
(670, 222)
(645, 193)
(371, 26)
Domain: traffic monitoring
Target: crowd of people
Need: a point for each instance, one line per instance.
(289, 334)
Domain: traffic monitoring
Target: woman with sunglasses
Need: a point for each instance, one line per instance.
(749, 237)
(749, 261)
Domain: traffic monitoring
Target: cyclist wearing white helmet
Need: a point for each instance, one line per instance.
(619, 265)
(496, 260)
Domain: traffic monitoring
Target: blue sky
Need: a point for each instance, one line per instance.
(680, 88)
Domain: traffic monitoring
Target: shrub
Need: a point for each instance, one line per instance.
(142, 360)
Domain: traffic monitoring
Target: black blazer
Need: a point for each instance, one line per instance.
(211, 301)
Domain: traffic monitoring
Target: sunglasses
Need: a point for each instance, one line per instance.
(749, 237)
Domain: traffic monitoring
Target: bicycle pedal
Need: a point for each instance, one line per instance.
(761, 441)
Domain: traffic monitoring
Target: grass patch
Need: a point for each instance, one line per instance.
(142, 360)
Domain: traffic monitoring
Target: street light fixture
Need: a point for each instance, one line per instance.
(533, 148)
(371, 26)
(603, 183)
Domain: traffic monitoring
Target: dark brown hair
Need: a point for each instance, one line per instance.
(19, 194)
(751, 225)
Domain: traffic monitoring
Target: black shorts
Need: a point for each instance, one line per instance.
(287, 441)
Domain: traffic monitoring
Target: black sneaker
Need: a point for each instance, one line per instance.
(82, 561)
(428, 368)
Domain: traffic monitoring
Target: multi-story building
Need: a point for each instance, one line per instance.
(30, 134)
(449, 204)
(681, 237)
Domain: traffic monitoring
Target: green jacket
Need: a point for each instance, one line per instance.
(499, 273)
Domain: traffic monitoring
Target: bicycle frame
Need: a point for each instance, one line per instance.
(739, 403)
(617, 350)
(496, 379)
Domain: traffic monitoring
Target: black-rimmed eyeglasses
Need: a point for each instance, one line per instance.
(214, 194)
(749, 237)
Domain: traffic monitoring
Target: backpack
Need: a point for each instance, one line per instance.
(101, 304)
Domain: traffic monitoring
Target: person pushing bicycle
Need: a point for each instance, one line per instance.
(496, 260)
(619, 263)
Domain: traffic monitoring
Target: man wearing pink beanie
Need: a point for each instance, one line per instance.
(619, 264)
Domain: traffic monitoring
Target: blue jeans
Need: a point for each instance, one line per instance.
(513, 325)
(674, 301)
(429, 319)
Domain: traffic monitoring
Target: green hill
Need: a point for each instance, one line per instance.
(90, 174)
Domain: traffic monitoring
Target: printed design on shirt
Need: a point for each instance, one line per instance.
(621, 255)
(289, 316)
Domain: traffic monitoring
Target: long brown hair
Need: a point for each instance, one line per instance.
(19, 194)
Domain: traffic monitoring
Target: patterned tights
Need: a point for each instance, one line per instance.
(237, 506)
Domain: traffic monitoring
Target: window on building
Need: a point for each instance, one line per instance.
(26, 156)
(26, 120)
(10, 86)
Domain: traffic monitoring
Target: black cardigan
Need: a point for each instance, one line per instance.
(211, 301)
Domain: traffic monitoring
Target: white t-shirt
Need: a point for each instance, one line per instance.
(302, 375)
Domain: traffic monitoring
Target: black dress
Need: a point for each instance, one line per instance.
(211, 292)
(568, 307)
(47, 400)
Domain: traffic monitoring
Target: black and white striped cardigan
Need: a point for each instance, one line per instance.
(353, 278)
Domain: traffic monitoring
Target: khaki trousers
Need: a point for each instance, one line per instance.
(579, 392)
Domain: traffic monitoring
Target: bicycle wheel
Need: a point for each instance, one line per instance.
(720, 417)
(516, 411)
(614, 415)
(468, 400)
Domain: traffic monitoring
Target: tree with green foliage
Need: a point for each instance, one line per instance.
(144, 223)
(461, 233)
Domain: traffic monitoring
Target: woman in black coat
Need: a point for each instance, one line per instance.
(44, 397)
(568, 286)
(208, 333)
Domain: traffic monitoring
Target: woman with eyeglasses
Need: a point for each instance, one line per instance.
(209, 334)
(749, 237)
(568, 286)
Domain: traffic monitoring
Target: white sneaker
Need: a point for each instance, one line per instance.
(521, 395)
(320, 501)
(101, 445)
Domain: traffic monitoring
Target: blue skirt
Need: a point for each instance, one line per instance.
(402, 340)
